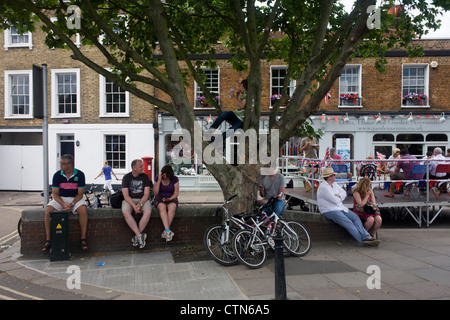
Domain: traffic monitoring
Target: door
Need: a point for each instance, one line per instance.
(21, 168)
(66, 145)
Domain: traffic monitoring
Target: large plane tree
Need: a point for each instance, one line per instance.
(146, 42)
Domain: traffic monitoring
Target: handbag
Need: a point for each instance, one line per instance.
(116, 200)
(371, 208)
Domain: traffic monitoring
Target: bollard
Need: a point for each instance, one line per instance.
(280, 275)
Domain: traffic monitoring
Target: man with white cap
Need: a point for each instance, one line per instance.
(330, 197)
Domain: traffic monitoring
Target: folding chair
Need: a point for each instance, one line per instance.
(440, 168)
(417, 169)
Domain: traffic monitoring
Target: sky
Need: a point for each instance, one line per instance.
(442, 32)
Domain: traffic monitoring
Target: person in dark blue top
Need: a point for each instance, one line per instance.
(68, 187)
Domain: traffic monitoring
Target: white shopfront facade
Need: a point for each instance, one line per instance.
(370, 134)
(363, 134)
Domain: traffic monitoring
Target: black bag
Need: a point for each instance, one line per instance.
(116, 200)
(371, 208)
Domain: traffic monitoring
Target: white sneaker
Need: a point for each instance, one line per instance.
(141, 240)
(134, 241)
(169, 235)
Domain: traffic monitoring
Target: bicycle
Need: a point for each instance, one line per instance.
(250, 246)
(100, 200)
(218, 238)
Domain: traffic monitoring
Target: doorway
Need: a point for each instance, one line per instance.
(66, 145)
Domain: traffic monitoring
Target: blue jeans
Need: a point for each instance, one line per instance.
(278, 207)
(350, 222)
(232, 119)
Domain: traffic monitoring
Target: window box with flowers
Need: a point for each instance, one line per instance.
(201, 102)
(415, 99)
(350, 99)
(274, 98)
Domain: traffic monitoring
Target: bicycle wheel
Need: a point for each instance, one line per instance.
(19, 227)
(249, 249)
(218, 245)
(296, 238)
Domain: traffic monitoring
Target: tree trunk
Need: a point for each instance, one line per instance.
(242, 181)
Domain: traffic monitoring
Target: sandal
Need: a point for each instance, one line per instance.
(83, 245)
(46, 247)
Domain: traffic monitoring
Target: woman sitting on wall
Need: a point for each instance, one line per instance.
(166, 189)
(365, 206)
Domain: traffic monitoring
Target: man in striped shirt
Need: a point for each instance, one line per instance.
(68, 187)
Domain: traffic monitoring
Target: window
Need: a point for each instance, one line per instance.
(18, 98)
(114, 101)
(13, 39)
(413, 142)
(415, 85)
(213, 84)
(65, 93)
(277, 75)
(115, 150)
(350, 87)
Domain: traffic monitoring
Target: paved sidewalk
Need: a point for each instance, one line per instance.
(414, 264)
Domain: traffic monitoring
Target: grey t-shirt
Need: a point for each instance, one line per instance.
(273, 186)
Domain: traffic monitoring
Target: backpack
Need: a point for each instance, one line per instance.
(116, 200)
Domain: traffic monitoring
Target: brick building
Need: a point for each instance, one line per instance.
(95, 120)
(88, 116)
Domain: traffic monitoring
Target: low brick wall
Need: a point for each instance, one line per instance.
(108, 231)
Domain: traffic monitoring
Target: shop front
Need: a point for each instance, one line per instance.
(372, 135)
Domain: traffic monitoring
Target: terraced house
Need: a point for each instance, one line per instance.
(95, 120)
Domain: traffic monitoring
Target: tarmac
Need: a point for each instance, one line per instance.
(411, 263)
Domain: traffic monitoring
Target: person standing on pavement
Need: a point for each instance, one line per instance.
(166, 189)
(107, 171)
(68, 187)
(310, 149)
(136, 192)
(330, 197)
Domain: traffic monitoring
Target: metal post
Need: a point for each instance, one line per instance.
(45, 132)
(280, 275)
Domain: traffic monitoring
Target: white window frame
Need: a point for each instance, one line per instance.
(8, 43)
(426, 84)
(292, 84)
(55, 113)
(77, 39)
(8, 100)
(125, 134)
(356, 106)
(102, 100)
(197, 88)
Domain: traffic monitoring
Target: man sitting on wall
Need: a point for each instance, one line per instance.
(68, 187)
(136, 191)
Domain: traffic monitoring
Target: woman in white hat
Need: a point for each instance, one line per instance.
(330, 197)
